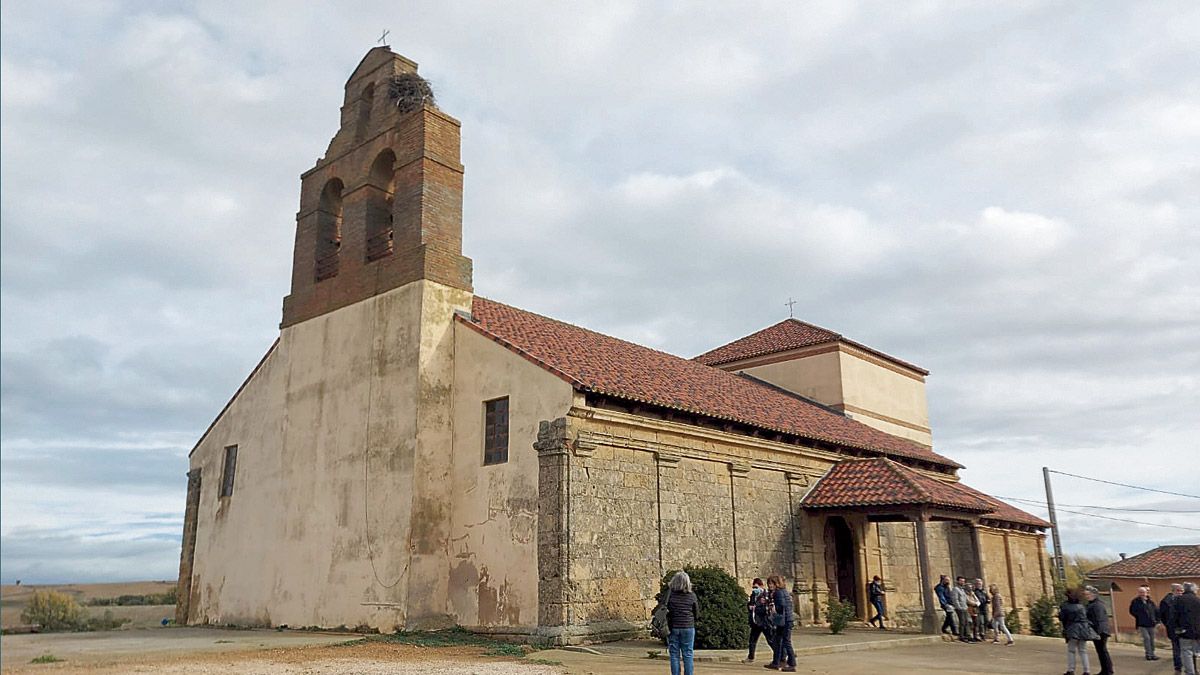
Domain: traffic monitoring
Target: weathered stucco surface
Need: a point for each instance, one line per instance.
(493, 574)
(873, 391)
(329, 431)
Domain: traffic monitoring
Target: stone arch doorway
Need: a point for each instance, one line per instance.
(841, 569)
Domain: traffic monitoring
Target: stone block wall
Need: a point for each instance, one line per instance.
(621, 504)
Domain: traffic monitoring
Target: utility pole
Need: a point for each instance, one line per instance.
(1059, 565)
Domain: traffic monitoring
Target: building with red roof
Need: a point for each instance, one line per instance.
(409, 455)
(1158, 569)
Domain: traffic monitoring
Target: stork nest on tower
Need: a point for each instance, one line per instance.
(410, 91)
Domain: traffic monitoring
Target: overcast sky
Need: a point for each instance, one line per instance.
(1007, 194)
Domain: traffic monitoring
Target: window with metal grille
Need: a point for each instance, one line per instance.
(495, 431)
(228, 471)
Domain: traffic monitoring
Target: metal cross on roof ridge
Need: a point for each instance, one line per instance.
(791, 304)
(383, 37)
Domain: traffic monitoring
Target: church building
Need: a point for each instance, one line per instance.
(410, 455)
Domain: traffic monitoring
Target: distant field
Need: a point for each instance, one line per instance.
(13, 599)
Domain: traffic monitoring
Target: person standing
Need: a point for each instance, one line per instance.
(1166, 614)
(759, 620)
(784, 620)
(876, 593)
(961, 602)
(1145, 617)
(982, 616)
(998, 622)
(1076, 630)
(1187, 627)
(946, 602)
(1097, 615)
(682, 610)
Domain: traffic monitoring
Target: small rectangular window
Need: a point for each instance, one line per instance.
(495, 431)
(228, 471)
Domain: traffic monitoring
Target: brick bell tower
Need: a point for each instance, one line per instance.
(383, 207)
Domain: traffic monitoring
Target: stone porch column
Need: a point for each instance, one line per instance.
(929, 622)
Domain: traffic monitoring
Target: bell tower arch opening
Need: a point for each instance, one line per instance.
(329, 230)
(381, 191)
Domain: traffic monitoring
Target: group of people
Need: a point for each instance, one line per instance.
(771, 616)
(1179, 613)
(971, 610)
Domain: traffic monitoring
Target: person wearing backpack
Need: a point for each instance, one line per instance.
(759, 618)
(682, 610)
(783, 620)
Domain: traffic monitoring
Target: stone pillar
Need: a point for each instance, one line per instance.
(804, 579)
(736, 470)
(929, 622)
(554, 545)
(183, 589)
(1008, 565)
(666, 512)
(977, 549)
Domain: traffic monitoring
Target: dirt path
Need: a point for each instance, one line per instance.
(360, 659)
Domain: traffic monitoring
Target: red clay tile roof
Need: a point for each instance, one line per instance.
(1164, 562)
(612, 367)
(1005, 512)
(785, 336)
(882, 482)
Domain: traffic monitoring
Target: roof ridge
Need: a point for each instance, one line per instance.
(588, 330)
(902, 473)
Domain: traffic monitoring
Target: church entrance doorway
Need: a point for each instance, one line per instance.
(839, 560)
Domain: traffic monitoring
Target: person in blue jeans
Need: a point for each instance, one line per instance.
(682, 610)
(784, 619)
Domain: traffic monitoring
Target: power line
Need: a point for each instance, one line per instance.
(1126, 520)
(1135, 487)
(1106, 508)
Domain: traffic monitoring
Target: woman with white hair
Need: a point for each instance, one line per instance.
(682, 610)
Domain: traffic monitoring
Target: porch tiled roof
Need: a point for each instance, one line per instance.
(1164, 562)
(882, 482)
(598, 363)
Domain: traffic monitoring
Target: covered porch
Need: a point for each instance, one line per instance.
(879, 490)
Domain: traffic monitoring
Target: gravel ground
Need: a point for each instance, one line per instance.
(361, 659)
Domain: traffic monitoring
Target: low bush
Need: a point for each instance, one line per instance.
(167, 598)
(839, 614)
(53, 612)
(105, 622)
(1043, 617)
(722, 623)
(1013, 620)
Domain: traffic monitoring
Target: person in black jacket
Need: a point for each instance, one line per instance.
(1076, 630)
(1145, 617)
(1187, 627)
(1166, 614)
(876, 593)
(682, 610)
(1097, 615)
(760, 620)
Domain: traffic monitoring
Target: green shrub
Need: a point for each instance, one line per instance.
(168, 598)
(105, 622)
(1013, 621)
(1043, 617)
(46, 658)
(53, 611)
(839, 614)
(722, 623)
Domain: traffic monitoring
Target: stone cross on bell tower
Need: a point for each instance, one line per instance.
(383, 207)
